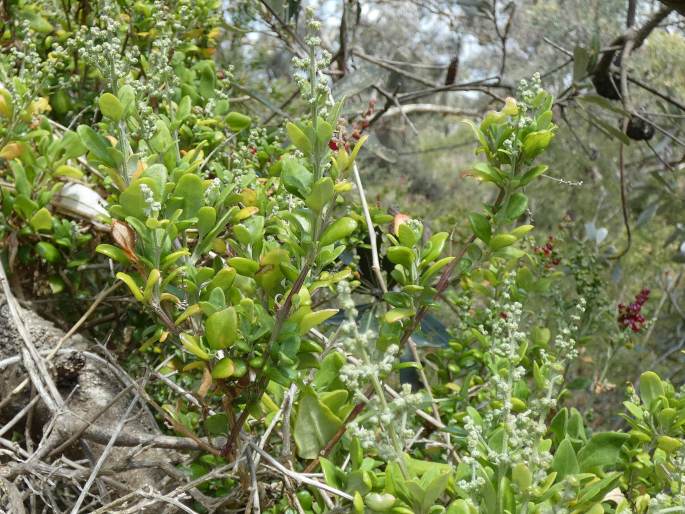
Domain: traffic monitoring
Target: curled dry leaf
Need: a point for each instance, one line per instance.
(124, 236)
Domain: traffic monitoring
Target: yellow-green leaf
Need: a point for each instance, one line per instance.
(501, 241)
(192, 344)
(315, 425)
(41, 220)
(128, 280)
(313, 319)
(299, 139)
(223, 369)
(192, 310)
(395, 315)
(152, 280)
(111, 107)
(221, 328)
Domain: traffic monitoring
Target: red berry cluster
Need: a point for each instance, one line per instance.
(629, 316)
(547, 252)
(358, 127)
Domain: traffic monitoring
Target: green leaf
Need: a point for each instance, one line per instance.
(127, 98)
(521, 476)
(184, 110)
(158, 173)
(669, 444)
(244, 266)
(486, 173)
(161, 141)
(111, 107)
(224, 279)
(299, 138)
(536, 142)
(56, 284)
(401, 255)
(433, 483)
(409, 234)
(312, 319)
(460, 507)
(237, 121)
(98, 146)
(481, 226)
(207, 76)
(334, 400)
(651, 387)
(191, 190)
(113, 252)
(296, 178)
(24, 206)
(324, 132)
(322, 193)
(68, 172)
(380, 502)
(192, 344)
(434, 268)
(152, 281)
(340, 229)
(72, 145)
(206, 217)
(598, 489)
(479, 134)
(434, 247)
(532, 174)
(48, 251)
(128, 280)
(223, 369)
(565, 461)
(221, 328)
(330, 472)
(41, 220)
(541, 336)
(315, 425)
(21, 181)
(395, 315)
(516, 206)
(501, 241)
(329, 372)
(603, 449)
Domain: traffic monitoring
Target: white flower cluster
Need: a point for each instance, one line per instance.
(664, 502)
(385, 423)
(102, 47)
(152, 207)
(523, 424)
(31, 70)
(313, 85)
(512, 144)
(213, 191)
(527, 91)
(374, 364)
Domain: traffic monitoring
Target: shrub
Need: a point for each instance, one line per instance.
(248, 256)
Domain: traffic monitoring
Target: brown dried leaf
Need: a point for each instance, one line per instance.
(205, 384)
(125, 237)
